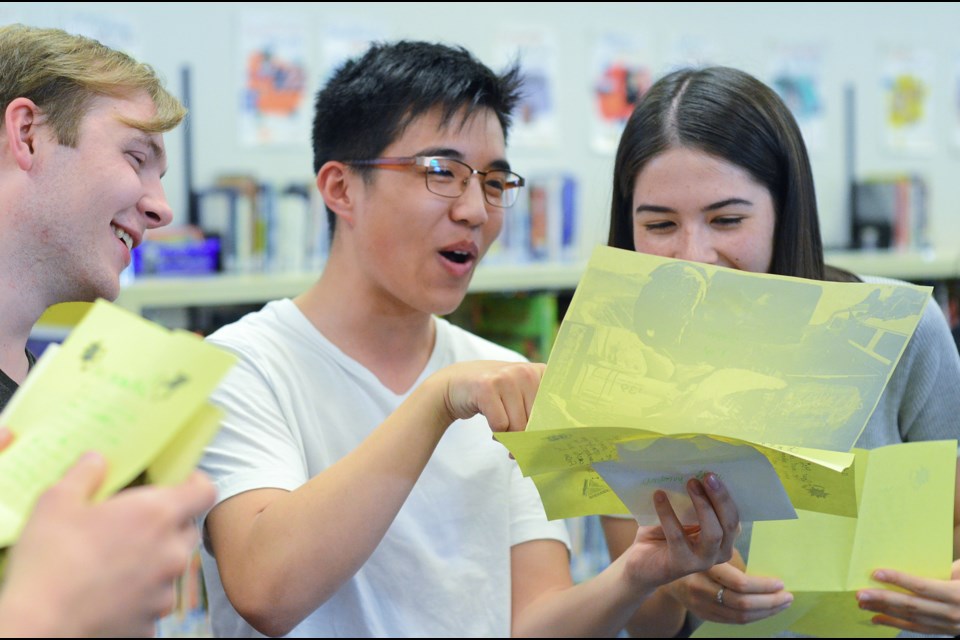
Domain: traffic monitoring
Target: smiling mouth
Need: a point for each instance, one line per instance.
(123, 235)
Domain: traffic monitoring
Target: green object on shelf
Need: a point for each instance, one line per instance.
(524, 322)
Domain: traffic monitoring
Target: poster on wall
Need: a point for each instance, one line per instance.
(114, 31)
(536, 121)
(273, 110)
(621, 75)
(796, 74)
(907, 96)
(339, 43)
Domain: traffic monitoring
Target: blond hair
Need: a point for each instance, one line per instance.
(62, 73)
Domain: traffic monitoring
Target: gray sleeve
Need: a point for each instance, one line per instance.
(927, 379)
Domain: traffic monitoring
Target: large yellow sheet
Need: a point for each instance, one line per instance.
(668, 348)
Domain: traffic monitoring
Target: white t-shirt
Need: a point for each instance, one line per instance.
(296, 404)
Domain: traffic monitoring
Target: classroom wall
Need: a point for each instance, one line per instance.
(851, 38)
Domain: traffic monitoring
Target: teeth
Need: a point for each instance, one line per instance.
(123, 235)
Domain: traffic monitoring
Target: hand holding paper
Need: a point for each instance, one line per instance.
(661, 554)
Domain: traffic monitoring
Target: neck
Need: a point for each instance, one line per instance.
(392, 342)
(28, 276)
(17, 317)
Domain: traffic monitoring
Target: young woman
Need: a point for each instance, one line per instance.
(712, 168)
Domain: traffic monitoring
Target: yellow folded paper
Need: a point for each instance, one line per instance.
(121, 385)
(904, 522)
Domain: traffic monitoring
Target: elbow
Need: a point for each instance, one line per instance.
(270, 626)
(269, 620)
(266, 610)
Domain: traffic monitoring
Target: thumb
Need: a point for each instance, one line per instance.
(85, 476)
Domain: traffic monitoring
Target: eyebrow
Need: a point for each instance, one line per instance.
(447, 152)
(652, 208)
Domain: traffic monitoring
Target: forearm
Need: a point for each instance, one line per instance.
(659, 616)
(599, 607)
(304, 545)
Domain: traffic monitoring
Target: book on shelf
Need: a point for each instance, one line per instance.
(264, 227)
(543, 225)
(890, 211)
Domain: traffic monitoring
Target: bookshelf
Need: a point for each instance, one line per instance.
(224, 289)
(904, 265)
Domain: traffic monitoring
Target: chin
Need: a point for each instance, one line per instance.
(108, 290)
(448, 306)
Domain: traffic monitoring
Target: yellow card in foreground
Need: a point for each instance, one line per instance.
(120, 385)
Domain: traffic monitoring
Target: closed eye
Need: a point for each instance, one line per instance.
(138, 160)
(727, 221)
(662, 225)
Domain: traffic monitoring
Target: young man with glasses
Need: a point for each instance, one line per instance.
(350, 505)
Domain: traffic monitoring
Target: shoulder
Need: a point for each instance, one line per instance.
(260, 329)
(264, 322)
(469, 346)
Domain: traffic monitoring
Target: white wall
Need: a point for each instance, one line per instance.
(204, 36)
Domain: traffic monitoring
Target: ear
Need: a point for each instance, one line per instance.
(340, 189)
(21, 126)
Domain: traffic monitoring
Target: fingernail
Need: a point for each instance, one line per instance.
(879, 575)
(864, 597)
(713, 482)
(659, 496)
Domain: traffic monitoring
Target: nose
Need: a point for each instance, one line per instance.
(471, 206)
(695, 245)
(155, 208)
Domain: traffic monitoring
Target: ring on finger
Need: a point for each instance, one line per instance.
(719, 597)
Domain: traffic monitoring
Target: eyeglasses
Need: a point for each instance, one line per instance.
(449, 178)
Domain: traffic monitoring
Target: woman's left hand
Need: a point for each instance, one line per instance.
(932, 606)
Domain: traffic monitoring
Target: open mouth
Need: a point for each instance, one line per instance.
(459, 257)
